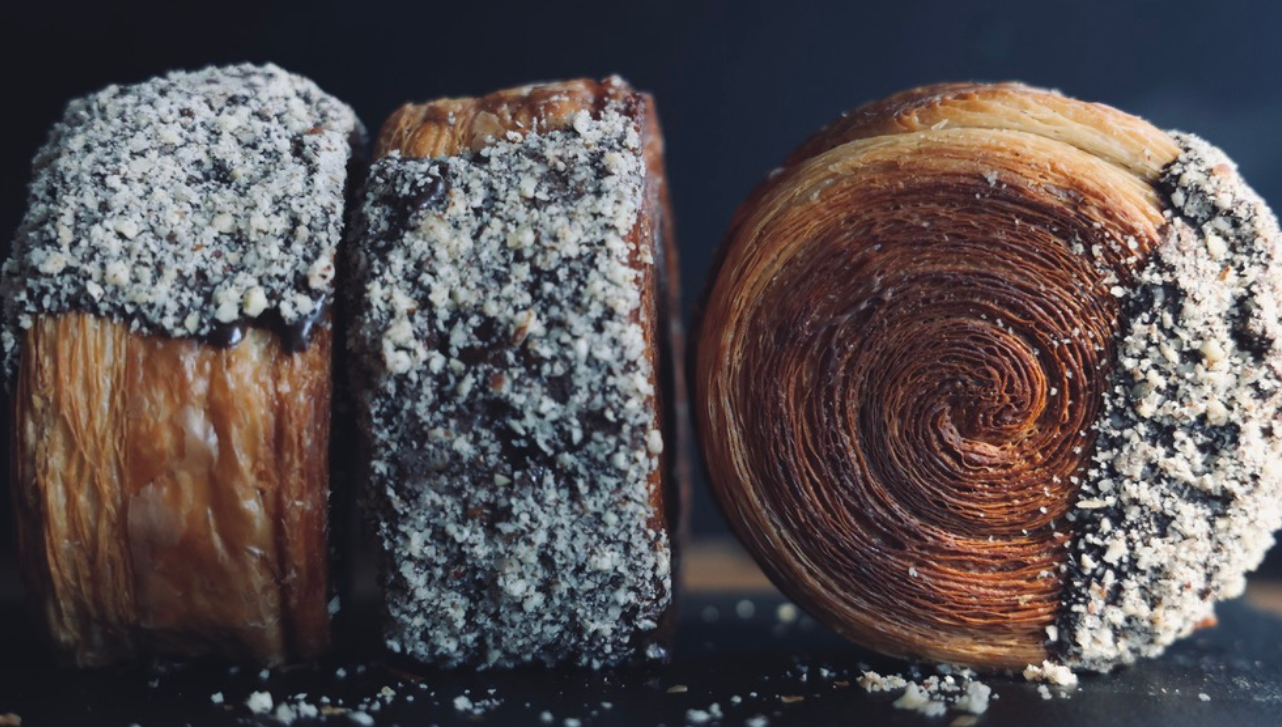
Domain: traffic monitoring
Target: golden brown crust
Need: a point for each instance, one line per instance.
(451, 126)
(676, 409)
(875, 424)
(171, 495)
(1102, 131)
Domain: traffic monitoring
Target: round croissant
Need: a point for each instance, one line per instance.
(988, 375)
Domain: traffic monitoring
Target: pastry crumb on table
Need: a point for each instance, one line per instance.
(751, 670)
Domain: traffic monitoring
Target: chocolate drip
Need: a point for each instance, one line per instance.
(433, 192)
(294, 337)
(226, 335)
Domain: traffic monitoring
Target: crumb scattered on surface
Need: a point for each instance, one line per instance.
(476, 707)
(1051, 673)
(873, 682)
(703, 716)
(791, 698)
(915, 698)
(933, 696)
(259, 702)
(786, 613)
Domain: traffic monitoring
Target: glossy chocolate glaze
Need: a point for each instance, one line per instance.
(294, 337)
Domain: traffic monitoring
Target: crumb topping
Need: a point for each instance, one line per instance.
(1184, 490)
(183, 203)
(508, 399)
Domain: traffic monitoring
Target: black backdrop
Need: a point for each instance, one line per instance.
(738, 83)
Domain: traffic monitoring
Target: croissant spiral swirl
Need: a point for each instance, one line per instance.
(909, 388)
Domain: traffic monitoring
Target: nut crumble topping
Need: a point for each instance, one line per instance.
(508, 399)
(184, 202)
(1185, 487)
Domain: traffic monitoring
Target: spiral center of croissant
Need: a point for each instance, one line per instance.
(928, 379)
(956, 409)
(917, 351)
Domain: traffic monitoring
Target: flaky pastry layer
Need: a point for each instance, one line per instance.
(171, 495)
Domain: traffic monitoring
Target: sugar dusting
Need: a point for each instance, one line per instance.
(1184, 490)
(508, 401)
(183, 202)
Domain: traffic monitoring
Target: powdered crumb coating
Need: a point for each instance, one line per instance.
(1185, 486)
(184, 202)
(507, 397)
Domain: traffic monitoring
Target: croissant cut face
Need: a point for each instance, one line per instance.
(912, 336)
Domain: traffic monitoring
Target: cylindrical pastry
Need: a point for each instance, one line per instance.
(511, 340)
(167, 327)
(990, 376)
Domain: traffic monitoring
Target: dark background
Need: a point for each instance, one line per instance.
(738, 83)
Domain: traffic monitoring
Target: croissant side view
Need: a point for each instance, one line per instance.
(514, 351)
(168, 337)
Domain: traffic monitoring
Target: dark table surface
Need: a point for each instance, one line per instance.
(746, 653)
